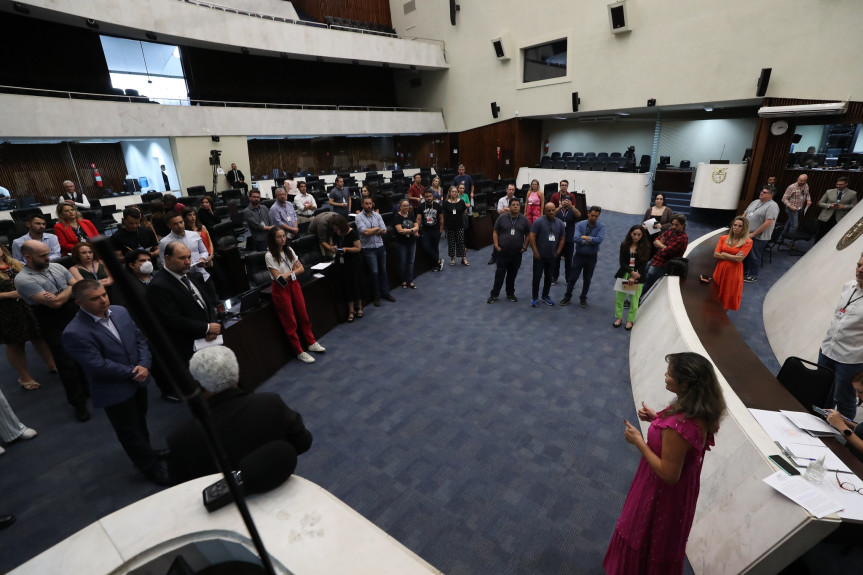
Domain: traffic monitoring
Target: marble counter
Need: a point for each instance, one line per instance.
(306, 530)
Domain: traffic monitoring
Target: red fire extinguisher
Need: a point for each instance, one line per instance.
(498, 153)
(546, 145)
(96, 175)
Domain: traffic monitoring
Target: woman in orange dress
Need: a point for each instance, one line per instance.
(728, 275)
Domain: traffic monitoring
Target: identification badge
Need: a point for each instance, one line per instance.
(512, 231)
(293, 276)
(453, 212)
(551, 237)
(341, 259)
(564, 225)
(840, 314)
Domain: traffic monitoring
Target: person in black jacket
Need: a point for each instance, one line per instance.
(182, 302)
(634, 256)
(237, 180)
(246, 423)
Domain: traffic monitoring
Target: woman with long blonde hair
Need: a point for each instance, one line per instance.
(728, 274)
(19, 325)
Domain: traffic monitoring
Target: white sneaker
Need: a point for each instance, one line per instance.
(317, 348)
(2, 451)
(28, 434)
(306, 358)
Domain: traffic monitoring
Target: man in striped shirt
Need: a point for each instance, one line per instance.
(796, 198)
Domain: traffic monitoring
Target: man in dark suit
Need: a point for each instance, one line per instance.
(113, 353)
(182, 302)
(237, 179)
(248, 425)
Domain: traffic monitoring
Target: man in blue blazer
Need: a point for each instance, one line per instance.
(113, 352)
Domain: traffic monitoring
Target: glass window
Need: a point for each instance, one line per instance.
(545, 61)
(154, 70)
(826, 146)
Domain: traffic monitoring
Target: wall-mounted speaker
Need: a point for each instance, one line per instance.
(495, 109)
(575, 101)
(651, 102)
(215, 138)
(763, 80)
(617, 18)
(502, 47)
(453, 8)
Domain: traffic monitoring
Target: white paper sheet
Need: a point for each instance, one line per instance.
(808, 422)
(780, 428)
(322, 266)
(803, 454)
(802, 493)
(203, 343)
(649, 225)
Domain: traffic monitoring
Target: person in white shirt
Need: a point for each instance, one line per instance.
(70, 195)
(305, 203)
(36, 231)
(841, 350)
(201, 258)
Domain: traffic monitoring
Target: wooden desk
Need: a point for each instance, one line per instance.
(260, 342)
(672, 181)
(479, 233)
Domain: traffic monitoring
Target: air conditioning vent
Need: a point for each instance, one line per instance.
(410, 6)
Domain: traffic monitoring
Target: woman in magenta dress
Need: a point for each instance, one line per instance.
(651, 533)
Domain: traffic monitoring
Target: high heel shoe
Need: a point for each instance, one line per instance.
(464, 262)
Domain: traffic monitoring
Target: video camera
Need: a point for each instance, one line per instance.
(214, 157)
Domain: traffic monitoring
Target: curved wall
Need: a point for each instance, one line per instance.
(799, 307)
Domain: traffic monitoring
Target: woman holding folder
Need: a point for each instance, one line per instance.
(629, 279)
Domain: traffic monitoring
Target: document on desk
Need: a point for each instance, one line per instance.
(802, 455)
(809, 423)
(322, 266)
(802, 493)
(781, 429)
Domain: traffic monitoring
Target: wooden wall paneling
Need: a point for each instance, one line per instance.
(38, 170)
(373, 11)
(478, 147)
(343, 154)
(770, 155)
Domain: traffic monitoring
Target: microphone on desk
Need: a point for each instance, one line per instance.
(260, 471)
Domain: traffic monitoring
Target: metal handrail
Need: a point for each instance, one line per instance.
(143, 99)
(241, 12)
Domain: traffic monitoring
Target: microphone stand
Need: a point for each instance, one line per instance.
(180, 379)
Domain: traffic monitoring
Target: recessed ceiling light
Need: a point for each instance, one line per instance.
(708, 108)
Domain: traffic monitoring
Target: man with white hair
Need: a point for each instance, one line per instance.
(73, 197)
(245, 422)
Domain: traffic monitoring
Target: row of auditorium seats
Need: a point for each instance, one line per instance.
(615, 164)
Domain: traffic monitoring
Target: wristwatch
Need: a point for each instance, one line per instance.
(847, 432)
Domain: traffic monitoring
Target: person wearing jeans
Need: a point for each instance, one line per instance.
(407, 231)
(372, 228)
(588, 236)
(796, 199)
(841, 349)
(430, 220)
(546, 241)
(762, 214)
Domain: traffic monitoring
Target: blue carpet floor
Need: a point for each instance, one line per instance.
(486, 438)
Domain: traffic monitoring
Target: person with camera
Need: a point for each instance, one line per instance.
(284, 266)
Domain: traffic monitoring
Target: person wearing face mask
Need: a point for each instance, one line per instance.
(139, 265)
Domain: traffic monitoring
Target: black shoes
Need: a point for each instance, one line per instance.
(565, 301)
(582, 302)
(388, 297)
(377, 302)
(512, 297)
(491, 299)
(158, 474)
(491, 260)
(81, 413)
(6, 521)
